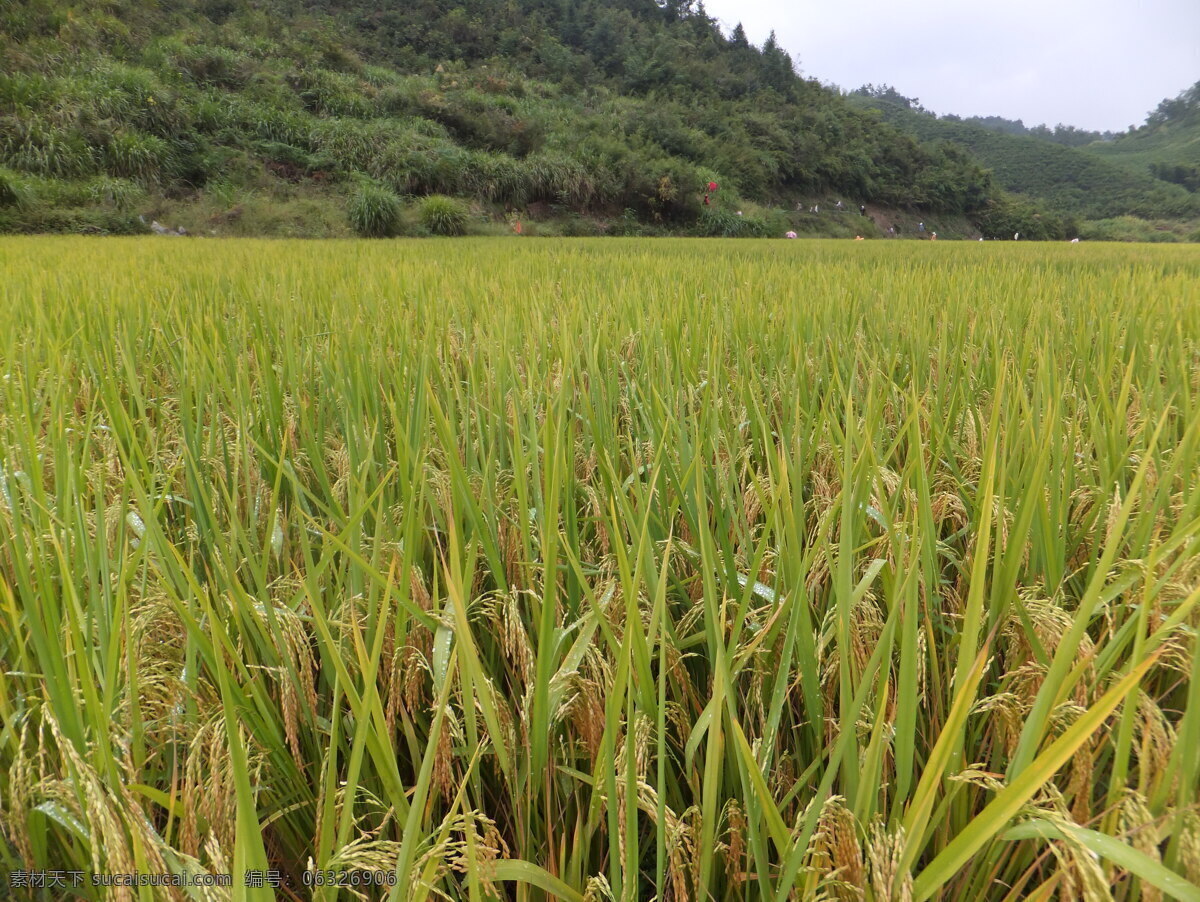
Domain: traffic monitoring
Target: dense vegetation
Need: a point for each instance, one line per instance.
(689, 570)
(272, 115)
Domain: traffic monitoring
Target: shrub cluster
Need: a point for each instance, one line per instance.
(374, 211)
(443, 215)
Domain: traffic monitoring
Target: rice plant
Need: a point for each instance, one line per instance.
(611, 569)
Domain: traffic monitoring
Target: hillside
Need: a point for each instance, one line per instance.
(1087, 183)
(283, 117)
(1167, 145)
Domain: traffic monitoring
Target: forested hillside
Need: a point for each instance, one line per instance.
(286, 117)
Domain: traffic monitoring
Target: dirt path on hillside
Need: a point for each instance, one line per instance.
(886, 217)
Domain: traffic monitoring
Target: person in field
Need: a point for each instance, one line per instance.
(712, 189)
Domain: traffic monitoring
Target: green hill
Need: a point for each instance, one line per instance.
(1089, 183)
(1167, 146)
(286, 117)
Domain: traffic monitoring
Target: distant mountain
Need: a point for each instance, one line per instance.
(1098, 180)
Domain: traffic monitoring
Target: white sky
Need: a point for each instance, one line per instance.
(1096, 64)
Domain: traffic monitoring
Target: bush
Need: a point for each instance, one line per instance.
(374, 212)
(79, 221)
(115, 194)
(1130, 228)
(576, 226)
(202, 64)
(137, 155)
(716, 222)
(12, 191)
(444, 215)
(331, 93)
(37, 147)
(1005, 214)
(627, 225)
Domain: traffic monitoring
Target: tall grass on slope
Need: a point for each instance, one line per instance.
(686, 570)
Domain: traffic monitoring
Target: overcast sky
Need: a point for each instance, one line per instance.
(1096, 64)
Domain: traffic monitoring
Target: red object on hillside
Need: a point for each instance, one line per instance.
(712, 186)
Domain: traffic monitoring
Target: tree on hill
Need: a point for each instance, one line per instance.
(778, 69)
(1183, 107)
(888, 94)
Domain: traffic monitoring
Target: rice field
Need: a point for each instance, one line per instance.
(600, 570)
